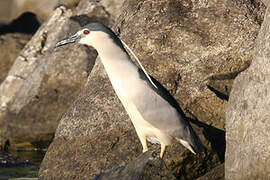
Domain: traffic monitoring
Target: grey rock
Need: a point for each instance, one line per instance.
(99, 105)
(83, 157)
(195, 49)
(147, 166)
(247, 117)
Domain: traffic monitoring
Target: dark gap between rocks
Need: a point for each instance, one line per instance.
(27, 23)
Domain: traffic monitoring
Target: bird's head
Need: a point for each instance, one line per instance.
(92, 34)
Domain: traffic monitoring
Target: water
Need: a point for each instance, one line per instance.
(17, 164)
(31, 156)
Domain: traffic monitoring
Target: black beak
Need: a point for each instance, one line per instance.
(71, 39)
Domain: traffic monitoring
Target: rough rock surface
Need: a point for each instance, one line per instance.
(146, 166)
(10, 46)
(113, 7)
(44, 81)
(195, 49)
(215, 174)
(248, 116)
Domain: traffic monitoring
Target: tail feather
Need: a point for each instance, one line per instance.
(187, 145)
(196, 141)
(192, 141)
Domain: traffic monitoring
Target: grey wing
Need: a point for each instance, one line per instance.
(161, 110)
(160, 113)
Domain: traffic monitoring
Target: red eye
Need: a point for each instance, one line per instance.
(86, 31)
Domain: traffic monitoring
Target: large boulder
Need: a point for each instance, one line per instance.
(195, 49)
(44, 81)
(248, 116)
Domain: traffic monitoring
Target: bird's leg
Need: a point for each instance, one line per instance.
(144, 145)
(162, 151)
(145, 149)
(143, 142)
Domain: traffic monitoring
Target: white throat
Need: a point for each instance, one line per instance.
(112, 54)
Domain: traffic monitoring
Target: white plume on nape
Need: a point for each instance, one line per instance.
(139, 62)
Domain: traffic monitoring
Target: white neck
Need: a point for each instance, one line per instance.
(110, 51)
(116, 61)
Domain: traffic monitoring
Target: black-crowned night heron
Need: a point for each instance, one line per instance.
(153, 111)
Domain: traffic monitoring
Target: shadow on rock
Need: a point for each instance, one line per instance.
(27, 23)
(215, 136)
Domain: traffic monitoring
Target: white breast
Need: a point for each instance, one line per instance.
(144, 128)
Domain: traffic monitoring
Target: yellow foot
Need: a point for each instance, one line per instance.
(144, 150)
(162, 151)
